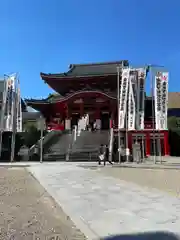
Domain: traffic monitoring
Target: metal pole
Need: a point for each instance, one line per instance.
(111, 144)
(160, 153)
(2, 113)
(153, 115)
(137, 110)
(126, 136)
(14, 125)
(142, 148)
(41, 139)
(118, 106)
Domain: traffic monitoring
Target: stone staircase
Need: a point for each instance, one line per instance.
(58, 150)
(90, 141)
(85, 148)
(87, 145)
(48, 141)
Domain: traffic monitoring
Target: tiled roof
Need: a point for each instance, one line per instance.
(96, 68)
(76, 70)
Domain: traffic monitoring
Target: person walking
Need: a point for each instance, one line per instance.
(101, 154)
(106, 155)
(95, 126)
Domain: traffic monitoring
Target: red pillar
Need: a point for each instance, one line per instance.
(67, 122)
(97, 113)
(111, 123)
(148, 144)
(130, 141)
(112, 119)
(82, 109)
(166, 144)
(66, 111)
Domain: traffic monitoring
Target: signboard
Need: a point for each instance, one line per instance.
(9, 102)
(131, 105)
(123, 97)
(140, 98)
(161, 100)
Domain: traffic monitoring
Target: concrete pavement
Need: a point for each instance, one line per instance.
(100, 205)
(28, 212)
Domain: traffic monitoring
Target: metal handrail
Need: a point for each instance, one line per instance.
(70, 145)
(33, 146)
(45, 139)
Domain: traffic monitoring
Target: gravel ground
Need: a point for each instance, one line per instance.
(28, 212)
(167, 180)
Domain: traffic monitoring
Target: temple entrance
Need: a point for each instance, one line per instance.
(74, 119)
(141, 140)
(157, 147)
(105, 116)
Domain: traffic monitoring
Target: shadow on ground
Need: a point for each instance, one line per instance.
(145, 236)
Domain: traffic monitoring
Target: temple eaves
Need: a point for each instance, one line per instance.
(91, 69)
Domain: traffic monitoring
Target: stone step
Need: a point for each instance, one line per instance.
(62, 145)
(84, 149)
(90, 141)
(75, 157)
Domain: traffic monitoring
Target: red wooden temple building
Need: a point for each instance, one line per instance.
(92, 89)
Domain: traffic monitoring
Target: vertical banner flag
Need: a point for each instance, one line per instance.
(165, 78)
(161, 100)
(10, 101)
(123, 97)
(3, 107)
(134, 81)
(131, 104)
(141, 97)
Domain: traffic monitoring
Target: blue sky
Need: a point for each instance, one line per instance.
(46, 36)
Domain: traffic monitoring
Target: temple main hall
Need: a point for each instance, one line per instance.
(93, 89)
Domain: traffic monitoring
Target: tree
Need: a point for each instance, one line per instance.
(28, 124)
(174, 123)
(31, 136)
(174, 135)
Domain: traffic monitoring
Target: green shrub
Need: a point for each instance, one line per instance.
(32, 135)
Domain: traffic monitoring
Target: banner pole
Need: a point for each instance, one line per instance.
(118, 107)
(153, 116)
(14, 120)
(41, 139)
(3, 113)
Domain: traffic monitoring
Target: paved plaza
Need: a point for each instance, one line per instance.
(28, 212)
(89, 201)
(102, 205)
(165, 178)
